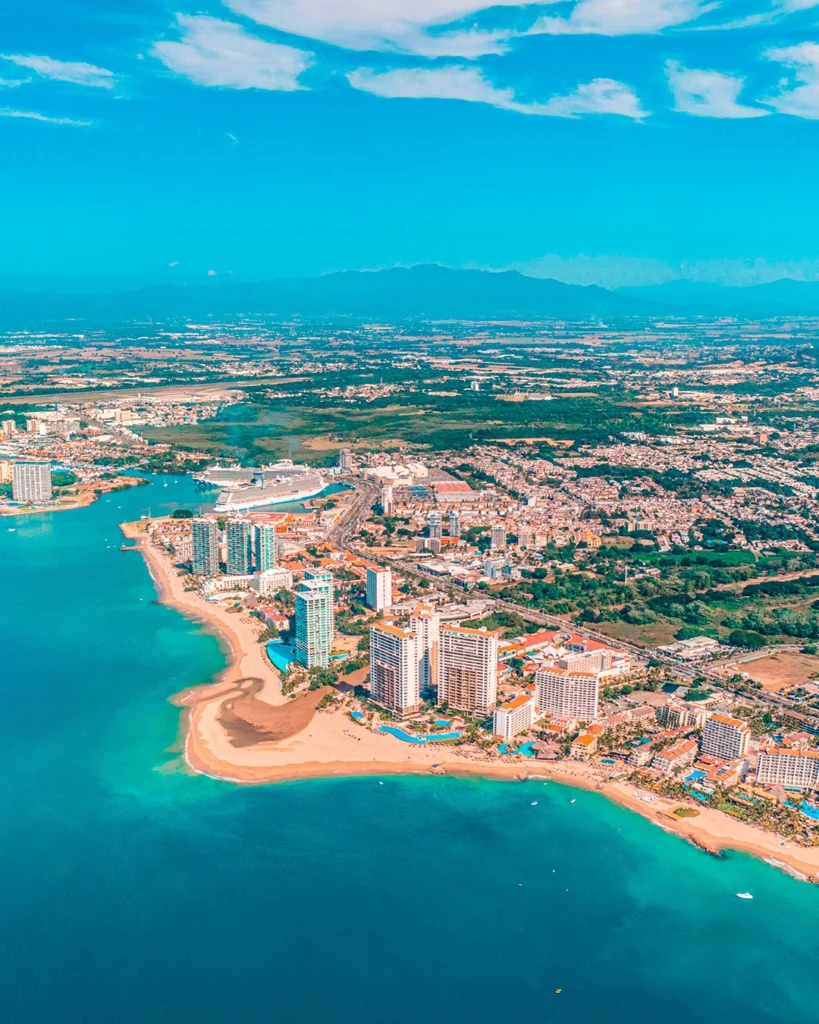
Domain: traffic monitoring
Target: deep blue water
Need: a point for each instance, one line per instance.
(134, 893)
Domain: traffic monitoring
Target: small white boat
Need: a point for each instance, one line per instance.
(12, 529)
(744, 896)
(533, 803)
(572, 800)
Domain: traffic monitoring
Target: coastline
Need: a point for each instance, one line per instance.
(333, 746)
(82, 500)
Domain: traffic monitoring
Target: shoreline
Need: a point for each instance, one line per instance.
(84, 500)
(333, 746)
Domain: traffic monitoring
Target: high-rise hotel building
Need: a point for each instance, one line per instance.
(238, 547)
(468, 669)
(264, 547)
(394, 668)
(426, 624)
(315, 620)
(567, 693)
(31, 481)
(379, 588)
(725, 737)
(204, 547)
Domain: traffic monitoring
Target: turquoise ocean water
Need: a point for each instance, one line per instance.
(133, 893)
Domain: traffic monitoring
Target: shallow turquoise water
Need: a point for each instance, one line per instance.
(134, 895)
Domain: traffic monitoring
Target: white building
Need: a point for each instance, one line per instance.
(272, 581)
(31, 481)
(379, 588)
(228, 584)
(725, 737)
(797, 769)
(515, 716)
(468, 669)
(497, 538)
(315, 619)
(567, 693)
(426, 624)
(387, 500)
(676, 757)
(394, 668)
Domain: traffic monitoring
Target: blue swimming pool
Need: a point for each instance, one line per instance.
(695, 776)
(443, 721)
(528, 749)
(407, 737)
(357, 715)
(280, 655)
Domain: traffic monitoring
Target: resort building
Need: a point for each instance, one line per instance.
(676, 757)
(568, 693)
(315, 620)
(515, 716)
(394, 668)
(468, 669)
(454, 524)
(426, 624)
(725, 737)
(794, 769)
(677, 715)
(379, 588)
(345, 461)
(271, 581)
(31, 481)
(584, 746)
(387, 500)
(264, 547)
(227, 584)
(238, 547)
(204, 547)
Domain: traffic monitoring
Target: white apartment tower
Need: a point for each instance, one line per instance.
(567, 693)
(394, 668)
(379, 588)
(725, 737)
(315, 620)
(426, 624)
(468, 669)
(31, 481)
(387, 500)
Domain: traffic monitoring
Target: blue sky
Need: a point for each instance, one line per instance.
(616, 141)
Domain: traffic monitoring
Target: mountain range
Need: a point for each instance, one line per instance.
(424, 292)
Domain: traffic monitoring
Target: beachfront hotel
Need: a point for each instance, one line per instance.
(31, 481)
(204, 547)
(426, 624)
(315, 620)
(394, 668)
(238, 547)
(379, 588)
(264, 547)
(514, 717)
(468, 669)
(676, 757)
(796, 769)
(567, 693)
(725, 737)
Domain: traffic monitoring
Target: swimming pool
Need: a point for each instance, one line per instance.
(528, 749)
(443, 721)
(281, 655)
(695, 776)
(357, 715)
(407, 737)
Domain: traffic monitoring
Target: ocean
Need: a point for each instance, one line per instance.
(135, 893)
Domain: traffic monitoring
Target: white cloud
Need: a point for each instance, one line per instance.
(64, 71)
(13, 83)
(32, 115)
(211, 273)
(175, 263)
(623, 17)
(800, 100)
(214, 52)
(798, 5)
(401, 26)
(708, 93)
(602, 96)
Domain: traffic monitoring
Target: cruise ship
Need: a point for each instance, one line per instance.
(255, 487)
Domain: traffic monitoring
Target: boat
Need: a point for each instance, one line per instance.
(533, 803)
(12, 529)
(744, 896)
(572, 800)
(245, 488)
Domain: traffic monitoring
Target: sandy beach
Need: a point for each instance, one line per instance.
(327, 744)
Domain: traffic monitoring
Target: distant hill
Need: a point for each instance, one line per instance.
(424, 291)
(778, 298)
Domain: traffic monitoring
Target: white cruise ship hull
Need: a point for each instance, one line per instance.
(237, 502)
